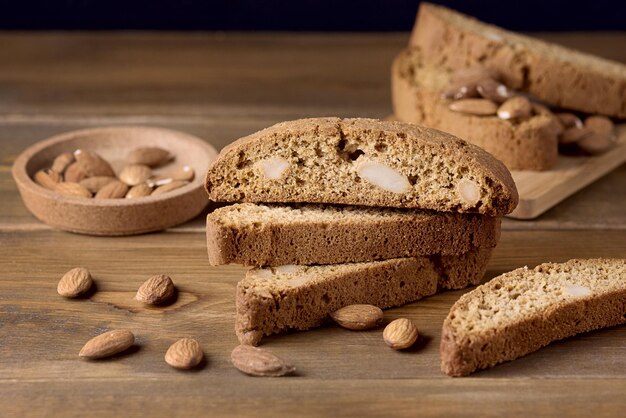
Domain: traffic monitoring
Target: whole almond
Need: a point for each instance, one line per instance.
(259, 362)
(493, 90)
(47, 178)
(107, 344)
(135, 174)
(477, 107)
(62, 161)
(74, 173)
(93, 164)
(515, 108)
(401, 333)
(94, 184)
(169, 187)
(150, 156)
(596, 143)
(72, 189)
(358, 317)
(185, 353)
(573, 135)
(601, 125)
(114, 190)
(74, 283)
(140, 190)
(156, 290)
(569, 120)
(180, 173)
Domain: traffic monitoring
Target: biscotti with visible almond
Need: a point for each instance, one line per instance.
(278, 299)
(261, 235)
(557, 75)
(523, 310)
(417, 97)
(361, 162)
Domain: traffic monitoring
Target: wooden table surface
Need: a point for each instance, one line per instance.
(220, 87)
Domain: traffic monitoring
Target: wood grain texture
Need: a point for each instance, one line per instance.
(220, 87)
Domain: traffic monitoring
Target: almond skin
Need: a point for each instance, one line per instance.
(255, 361)
(135, 174)
(74, 283)
(107, 344)
(156, 290)
(93, 164)
(176, 184)
(477, 107)
(94, 184)
(358, 317)
(114, 190)
(74, 173)
(185, 173)
(140, 190)
(47, 178)
(185, 353)
(150, 156)
(72, 189)
(401, 333)
(61, 162)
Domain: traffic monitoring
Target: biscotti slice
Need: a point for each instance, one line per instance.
(529, 144)
(278, 299)
(271, 235)
(361, 162)
(555, 74)
(523, 310)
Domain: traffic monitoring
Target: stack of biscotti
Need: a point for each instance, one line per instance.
(498, 89)
(332, 212)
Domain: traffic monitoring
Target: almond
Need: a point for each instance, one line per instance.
(74, 283)
(74, 173)
(358, 317)
(401, 333)
(185, 353)
(515, 108)
(93, 164)
(569, 120)
(383, 176)
(601, 125)
(114, 190)
(272, 168)
(476, 107)
(169, 187)
(140, 190)
(180, 173)
(468, 191)
(107, 344)
(156, 290)
(259, 362)
(493, 90)
(135, 174)
(72, 189)
(62, 161)
(47, 178)
(596, 143)
(94, 184)
(150, 156)
(573, 135)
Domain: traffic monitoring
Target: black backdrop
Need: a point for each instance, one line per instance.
(303, 15)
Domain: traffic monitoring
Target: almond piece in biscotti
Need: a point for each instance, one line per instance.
(114, 190)
(358, 317)
(468, 191)
(94, 184)
(47, 178)
(516, 108)
(383, 176)
(272, 168)
(61, 162)
(493, 90)
(476, 107)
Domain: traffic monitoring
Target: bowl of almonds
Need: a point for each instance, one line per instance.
(114, 180)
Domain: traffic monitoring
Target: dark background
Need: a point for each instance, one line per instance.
(304, 15)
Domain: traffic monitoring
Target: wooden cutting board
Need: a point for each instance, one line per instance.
(541, 190)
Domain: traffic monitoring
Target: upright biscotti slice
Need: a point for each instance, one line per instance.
(555, 74)
(277, 299)
(524, 310)
(362, 162)
(272, 235)
(416, 93)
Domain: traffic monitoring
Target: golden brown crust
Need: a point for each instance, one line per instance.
(274, 235)
(322, 157)
(530, 145)
(555, 74)
(303, 299)
(474, 337)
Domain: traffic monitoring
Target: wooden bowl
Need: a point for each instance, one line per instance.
(115, 216)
